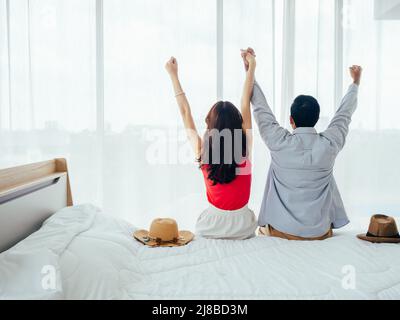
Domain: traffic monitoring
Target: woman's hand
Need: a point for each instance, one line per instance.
(172, 66)
(251, 61)
(244, 54)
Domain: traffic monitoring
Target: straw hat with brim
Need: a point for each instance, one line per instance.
(382, 229)
(163, 233)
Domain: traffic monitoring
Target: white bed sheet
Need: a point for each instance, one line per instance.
(95, 257)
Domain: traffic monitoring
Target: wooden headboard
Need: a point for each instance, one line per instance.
(29, 194)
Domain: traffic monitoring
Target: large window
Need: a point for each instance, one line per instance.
(85, 80)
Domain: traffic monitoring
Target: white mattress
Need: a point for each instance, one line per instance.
(95, 257)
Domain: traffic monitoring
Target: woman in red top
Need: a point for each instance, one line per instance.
(224, 159)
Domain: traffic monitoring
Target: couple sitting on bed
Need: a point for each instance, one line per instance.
(301, 200)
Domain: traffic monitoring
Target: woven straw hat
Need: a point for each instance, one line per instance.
(164, 232)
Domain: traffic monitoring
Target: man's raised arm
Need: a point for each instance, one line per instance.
(339, 126)
(271, 132)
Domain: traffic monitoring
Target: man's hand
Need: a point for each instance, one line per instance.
(356, 72)
(172, 67)
(244, 53)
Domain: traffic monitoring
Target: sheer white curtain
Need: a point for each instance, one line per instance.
(368, 170)
(85, 80)
(149, 169)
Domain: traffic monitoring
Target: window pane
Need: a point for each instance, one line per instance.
(314, 57)
(247, 24)
(140, 36)
(372, 43)
(54, 40)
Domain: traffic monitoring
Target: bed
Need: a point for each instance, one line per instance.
(80, 252)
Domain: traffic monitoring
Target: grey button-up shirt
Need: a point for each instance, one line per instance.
(301, 197)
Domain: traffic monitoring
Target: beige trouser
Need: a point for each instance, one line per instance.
(270, 231)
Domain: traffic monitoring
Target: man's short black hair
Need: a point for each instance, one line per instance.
(305, 111)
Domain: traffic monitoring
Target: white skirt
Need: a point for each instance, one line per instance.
(216, 223)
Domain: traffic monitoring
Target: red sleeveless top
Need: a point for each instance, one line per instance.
(230, 196)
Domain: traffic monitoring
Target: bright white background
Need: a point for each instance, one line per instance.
(85, 80)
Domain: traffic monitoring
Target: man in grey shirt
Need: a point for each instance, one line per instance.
(301, 197)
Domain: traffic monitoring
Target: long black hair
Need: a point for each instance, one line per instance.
(219, 151)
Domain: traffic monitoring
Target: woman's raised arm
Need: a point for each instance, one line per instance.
(184, 107)
(250, 66)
